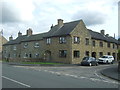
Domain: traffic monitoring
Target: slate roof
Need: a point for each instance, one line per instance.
(17, 40)
(34, 37)
(99, 36)
(66, 29)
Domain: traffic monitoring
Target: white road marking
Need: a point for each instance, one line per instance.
(105, 80)
(16, 81)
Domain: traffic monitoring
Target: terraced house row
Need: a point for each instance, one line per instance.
(65, 43)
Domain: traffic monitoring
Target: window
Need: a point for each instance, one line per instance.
(100, 54)
(62, 40)
(87, 53)
(77, 40)
(36, 55)
(30, 55)
(113, 45)
(25, 45)
(48, 40)
(108, 53)
(76, 54)
(26, 55)
(62, 53)
(36, 45)
(101, 44)
(87, 41)
(14, 48)
(108, 45)
(93, 43)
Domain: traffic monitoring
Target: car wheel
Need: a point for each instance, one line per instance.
(96, 64)
(112, 62)
(106, 62)
(90, 64)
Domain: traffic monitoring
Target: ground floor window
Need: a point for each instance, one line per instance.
(100, 54)
(63, 53)
(87, 53)
(76, 54)
(30, 55)
(109, 53)
(36, 55)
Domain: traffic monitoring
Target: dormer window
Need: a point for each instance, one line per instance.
(48, 41)
(36, 45)
(77, 40)
(62, 40)
(25, 45)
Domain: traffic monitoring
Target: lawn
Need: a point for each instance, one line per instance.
(39, 63)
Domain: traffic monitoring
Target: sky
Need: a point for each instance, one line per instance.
(39, 15)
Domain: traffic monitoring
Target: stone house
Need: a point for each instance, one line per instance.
(65, 43)
(3, 40)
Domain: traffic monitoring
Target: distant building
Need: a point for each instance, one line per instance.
(65, 42)
(3, 40)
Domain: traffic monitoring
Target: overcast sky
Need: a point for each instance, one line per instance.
(19, 15)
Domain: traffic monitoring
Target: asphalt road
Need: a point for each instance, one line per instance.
(54, 77)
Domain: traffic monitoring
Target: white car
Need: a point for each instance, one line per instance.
(106, 59)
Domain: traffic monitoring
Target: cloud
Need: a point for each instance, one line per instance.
(16, 10)
(90, 17)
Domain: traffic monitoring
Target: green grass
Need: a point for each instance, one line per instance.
(39, 63)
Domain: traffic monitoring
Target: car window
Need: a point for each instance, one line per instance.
(104, 57)
(86, 58)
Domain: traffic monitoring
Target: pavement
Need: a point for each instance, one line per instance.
(111, 72)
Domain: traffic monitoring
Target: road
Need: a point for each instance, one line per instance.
(55, 77)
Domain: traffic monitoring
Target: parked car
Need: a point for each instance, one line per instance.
(89, 61)
(106, 59)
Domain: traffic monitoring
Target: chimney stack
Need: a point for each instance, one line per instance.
(107, 35)
(19, 34)
(29, 32)
(10, 38)
(60, 22)
(102, 32)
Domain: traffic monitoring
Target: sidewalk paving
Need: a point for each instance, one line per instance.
(112, 72)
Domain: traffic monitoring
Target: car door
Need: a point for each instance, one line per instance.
(93, 61)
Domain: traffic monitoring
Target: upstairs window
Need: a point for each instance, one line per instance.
(76, 54)
(48, 41)
(108, 45)
(77, 40)
(36, 45)
(86, 41)
(101, 44)
(93, 43)
(14, 48)
(25, 45)
(113, 45)
(62, 40)
(63, 53)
